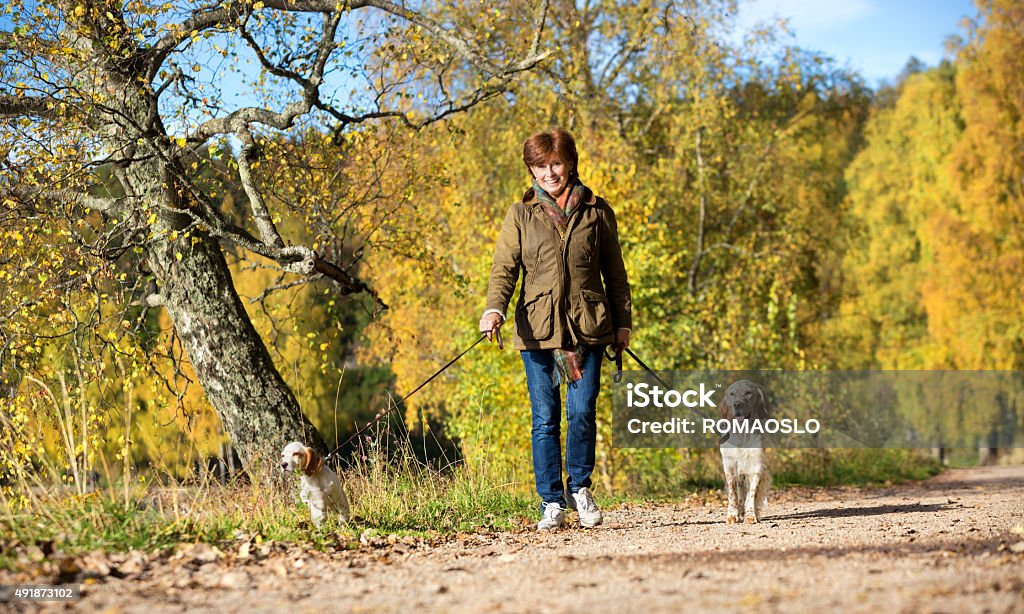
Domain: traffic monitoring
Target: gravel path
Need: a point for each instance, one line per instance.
(954, 543)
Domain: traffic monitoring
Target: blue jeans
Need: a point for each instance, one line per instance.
(542, 380)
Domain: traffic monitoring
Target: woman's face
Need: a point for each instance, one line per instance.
(552, 177)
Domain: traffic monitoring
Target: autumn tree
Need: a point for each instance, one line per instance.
(900, 199)
(723, 163)
(143, 89)
(934, 250)
(984, 243)
(934, 256)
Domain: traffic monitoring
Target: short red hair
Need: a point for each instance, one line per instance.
(545, 147)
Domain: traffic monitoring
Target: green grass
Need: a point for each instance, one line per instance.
(390, 496)
(394, 495)
(665, 477)
(100, 521)
(401, 494)
(853, 467)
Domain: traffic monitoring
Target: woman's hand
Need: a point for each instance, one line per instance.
(621, 340)
(490, 323)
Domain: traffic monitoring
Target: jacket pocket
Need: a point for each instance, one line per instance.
(535, 317)
(594, 320)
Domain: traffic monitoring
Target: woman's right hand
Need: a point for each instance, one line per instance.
(490, 323)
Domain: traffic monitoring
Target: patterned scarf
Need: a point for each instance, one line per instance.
(561, 218)
(570, 359)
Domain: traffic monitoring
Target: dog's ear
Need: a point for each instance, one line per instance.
(765, 410)
(313, 462)
(726, 411)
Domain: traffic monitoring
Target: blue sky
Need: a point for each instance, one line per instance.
(875, 37)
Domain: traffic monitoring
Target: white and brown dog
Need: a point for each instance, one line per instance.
(743, 458)
(322, 490)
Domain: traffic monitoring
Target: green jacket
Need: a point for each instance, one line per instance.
(563, 301)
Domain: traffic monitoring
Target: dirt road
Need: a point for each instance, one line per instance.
(952, 544)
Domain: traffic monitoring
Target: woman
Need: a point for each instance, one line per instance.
(564, 240)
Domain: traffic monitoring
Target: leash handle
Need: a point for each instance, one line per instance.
(617, 359)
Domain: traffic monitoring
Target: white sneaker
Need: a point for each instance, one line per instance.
(590, 516)
(554, 517)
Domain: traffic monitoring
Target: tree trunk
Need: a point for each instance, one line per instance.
(255, 405)
(257, 409)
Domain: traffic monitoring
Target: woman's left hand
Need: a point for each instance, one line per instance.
(621, 340)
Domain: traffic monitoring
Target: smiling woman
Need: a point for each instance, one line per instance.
(551, 157)
(565, 241)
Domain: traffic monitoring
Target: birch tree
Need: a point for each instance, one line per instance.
(107, 109)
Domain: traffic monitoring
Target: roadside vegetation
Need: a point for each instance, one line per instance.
(774, 211)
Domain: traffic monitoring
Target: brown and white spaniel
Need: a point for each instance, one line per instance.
(322, 490)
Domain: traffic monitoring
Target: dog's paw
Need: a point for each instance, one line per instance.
(730, 519)
(750, 520)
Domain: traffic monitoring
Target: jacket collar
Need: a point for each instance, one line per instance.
(530, 197)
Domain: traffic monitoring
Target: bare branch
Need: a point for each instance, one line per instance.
(538, 27)
(268, 231)
(285, 118)
(310, 90)
(253, 115)
(347, 283)
(296, 259)
(229, 16)
(270, 67)
(30, 44)
(30, 196)
(303, 261)
(617, 62)
(281, 285)
(476, 98)
(202, 19)
(209, 18)
(43, 107)
(527, 63)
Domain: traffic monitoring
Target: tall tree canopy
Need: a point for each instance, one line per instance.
(723, 163)
(110, 109)
(161, 160)
(936, 197)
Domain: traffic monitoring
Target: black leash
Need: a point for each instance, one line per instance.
(385, 413)
(617, 358)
